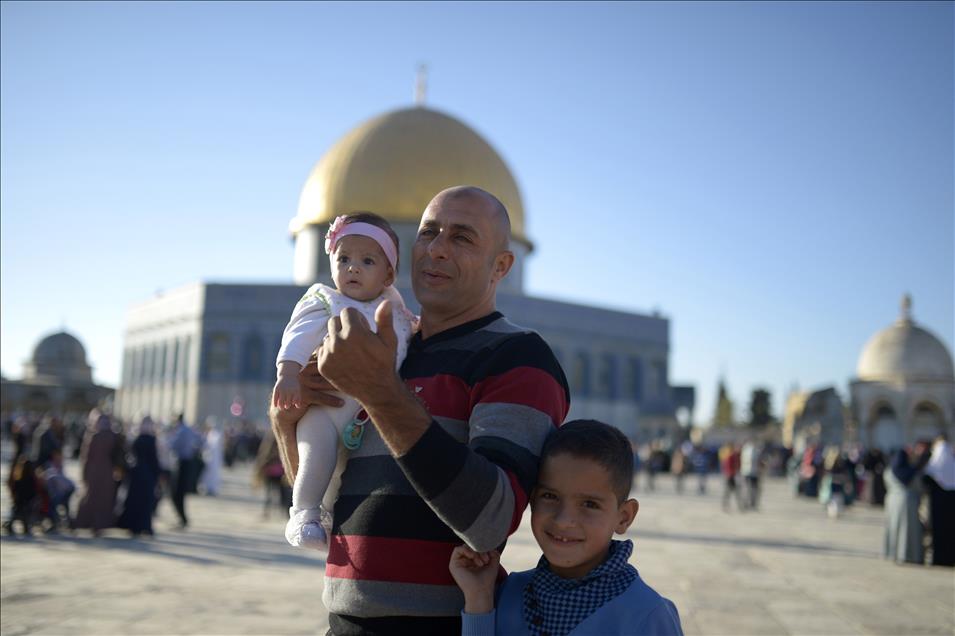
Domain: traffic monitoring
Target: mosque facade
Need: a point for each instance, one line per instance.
(56, 379)
(208, 349)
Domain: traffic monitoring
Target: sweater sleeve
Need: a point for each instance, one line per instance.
(518, 395)
(477, 624)
(306, 328)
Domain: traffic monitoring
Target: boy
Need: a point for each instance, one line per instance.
(583, 583)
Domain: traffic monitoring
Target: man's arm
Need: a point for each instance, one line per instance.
(518, 395)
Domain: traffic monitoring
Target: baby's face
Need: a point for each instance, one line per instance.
(360, 268)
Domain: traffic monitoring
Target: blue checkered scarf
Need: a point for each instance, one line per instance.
(554, 606)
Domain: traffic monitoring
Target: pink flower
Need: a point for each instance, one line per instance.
(333, 231)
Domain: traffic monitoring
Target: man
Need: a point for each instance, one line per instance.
(47, 438)
(185, 444)
(749, 461)
(453, 453)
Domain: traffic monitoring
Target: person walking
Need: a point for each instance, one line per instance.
(186, 445)
(143, 475)
(102, 456)
(729, 466)
(940, 483)
(749, 465)
(903, 529)
(212, 456)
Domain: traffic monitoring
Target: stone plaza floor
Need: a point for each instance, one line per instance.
(787, 569)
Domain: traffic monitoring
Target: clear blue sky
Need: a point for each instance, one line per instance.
(771, 176)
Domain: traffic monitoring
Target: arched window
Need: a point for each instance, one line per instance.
(148, 357)
(174, 371)
(608, 376)
(926, 421)
(635, 385)
(885, 430)
(580, 382)
(218, 356)
(660, 373)
(253, 357)
(161, 362)
(138, 362)
(184, 365)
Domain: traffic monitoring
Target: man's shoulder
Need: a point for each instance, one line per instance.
(504, 336)
(496, 342)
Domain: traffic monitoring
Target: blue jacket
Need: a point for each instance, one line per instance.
(639, 611)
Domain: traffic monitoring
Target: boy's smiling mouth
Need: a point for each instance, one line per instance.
(562, 539)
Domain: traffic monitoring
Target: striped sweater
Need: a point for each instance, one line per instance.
(494, 391)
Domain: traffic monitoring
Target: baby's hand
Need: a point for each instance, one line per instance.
(287, 393)
(475, 573)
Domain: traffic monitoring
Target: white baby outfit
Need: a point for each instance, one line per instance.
(319, 432)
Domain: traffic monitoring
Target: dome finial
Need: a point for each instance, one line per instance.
(906, 308)
(420, 84)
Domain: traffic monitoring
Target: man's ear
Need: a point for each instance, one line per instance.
(627, 513)
(502, 265)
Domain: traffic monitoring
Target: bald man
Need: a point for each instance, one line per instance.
(452, 456)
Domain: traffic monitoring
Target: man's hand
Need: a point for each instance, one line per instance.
(361, 363)
(475, 573)
(357, 361)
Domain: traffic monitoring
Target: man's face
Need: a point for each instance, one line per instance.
(457, 257)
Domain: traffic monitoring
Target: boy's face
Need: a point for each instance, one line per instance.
(360, 268)
(575, 512)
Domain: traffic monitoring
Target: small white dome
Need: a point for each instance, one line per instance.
(905, 351)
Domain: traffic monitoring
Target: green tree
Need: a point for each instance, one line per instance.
(760, 408)
(724, 408)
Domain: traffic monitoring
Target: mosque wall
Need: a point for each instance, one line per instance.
(210, 348)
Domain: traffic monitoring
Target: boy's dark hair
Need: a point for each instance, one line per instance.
(378, 221)
(602, 443)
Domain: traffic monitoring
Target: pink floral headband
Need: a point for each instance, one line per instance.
(339, 229)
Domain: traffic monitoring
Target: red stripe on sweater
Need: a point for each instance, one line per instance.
(387, 559)
(529, 386)
(441, 395)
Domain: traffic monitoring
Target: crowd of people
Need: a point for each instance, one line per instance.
(915, 484)
(125, 470)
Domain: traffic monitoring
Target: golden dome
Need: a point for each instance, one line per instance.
(395, 163)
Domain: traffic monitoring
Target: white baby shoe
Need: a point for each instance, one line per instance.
(304, 529)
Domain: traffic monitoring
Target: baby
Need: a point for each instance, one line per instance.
(363, 250)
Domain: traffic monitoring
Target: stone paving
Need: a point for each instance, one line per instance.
(787, 569)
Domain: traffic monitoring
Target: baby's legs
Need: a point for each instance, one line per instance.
(319, 437)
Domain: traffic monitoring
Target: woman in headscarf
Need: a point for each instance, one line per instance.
(143, 474)
(102, 453)
(940, 482)
(903, 529)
